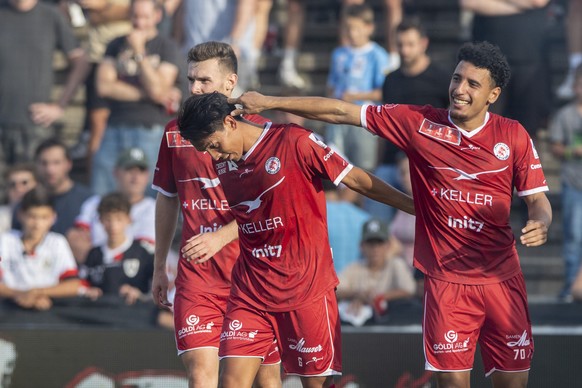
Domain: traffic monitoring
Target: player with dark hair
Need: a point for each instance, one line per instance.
(465, 163)
(283, 284)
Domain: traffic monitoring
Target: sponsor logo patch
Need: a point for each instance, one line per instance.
(440, 132)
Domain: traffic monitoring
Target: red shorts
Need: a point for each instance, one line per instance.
(198, 322)
(309, 337)
(457, 316)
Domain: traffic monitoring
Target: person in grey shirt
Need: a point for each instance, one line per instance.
(566, 138)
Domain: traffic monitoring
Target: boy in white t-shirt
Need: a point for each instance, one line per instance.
(36, 265)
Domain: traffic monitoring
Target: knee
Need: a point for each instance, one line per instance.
(199, 378)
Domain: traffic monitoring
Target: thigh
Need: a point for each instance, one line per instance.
(202, 366)
(198, 321)
(310, 338)
(246, 332)
(506, 339)
(453, 316)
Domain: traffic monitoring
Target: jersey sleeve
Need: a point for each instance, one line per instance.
(389, 121)
(529, 175)
(164, 180)
(318, 159)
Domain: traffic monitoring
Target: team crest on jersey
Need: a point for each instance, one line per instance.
(175, 140)
(130, 267)
(273, 165)
(440, 132)
(317, 141)
(533, 148)
(502, 151)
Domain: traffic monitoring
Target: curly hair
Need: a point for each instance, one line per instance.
(485, 55)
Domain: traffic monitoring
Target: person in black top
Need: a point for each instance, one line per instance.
(122, 266)
(418, 81)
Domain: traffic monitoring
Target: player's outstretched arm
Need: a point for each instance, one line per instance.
(373, 187)
(535, 231)
(202, 247)
(167, 209)
(315, 108)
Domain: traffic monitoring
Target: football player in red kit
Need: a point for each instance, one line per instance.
(283, 284)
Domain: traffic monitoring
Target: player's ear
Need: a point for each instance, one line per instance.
(494, 94)
(231, 82)
(230, 122)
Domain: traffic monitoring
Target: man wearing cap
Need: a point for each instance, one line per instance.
(132, 179)
(367, 286)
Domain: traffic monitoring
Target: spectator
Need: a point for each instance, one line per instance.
(574, 39)
(32, 32)
(53, 163)
(393, 11)
(108, 19)
(366, 287)
(288, 74)
(120, 266)
(19, 179)
(418, 81)
(566, 137)
(344, 225)
(518, 29)
(132, 177)
(37, 265)
(356, 75)
(137, 76)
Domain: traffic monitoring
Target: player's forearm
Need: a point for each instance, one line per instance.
(79, 70)
(7, 292)
(374, 188)
(316, 108)
(229, 232)
(167, 210)
(539, 208)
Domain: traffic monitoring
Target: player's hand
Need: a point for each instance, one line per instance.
(534, 233)
(93, 293)
(160, 289)
(252, 102)
(202, 247)
(45, 114)
(137, 41)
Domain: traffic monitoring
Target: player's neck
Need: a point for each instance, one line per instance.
(251, 134)
(115, 241)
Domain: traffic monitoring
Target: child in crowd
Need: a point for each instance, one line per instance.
(19, 179)
(36, 264)
(357, 73)
(367, 286)
(121, 266)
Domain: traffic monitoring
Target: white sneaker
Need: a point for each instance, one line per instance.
(566, 90)
(291, 79)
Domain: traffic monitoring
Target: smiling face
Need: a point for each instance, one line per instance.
(471, 91)
(209, 76)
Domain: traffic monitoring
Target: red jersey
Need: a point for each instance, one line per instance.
(463, 184)
(275, 193)
(183, 171)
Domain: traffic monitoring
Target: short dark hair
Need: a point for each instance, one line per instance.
(411, 24)
(360, 11)
(485, 55)
(201, 115)
(37, 197)
(51, 143)
(112, 203)
(223, 52)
